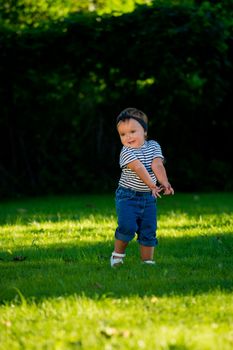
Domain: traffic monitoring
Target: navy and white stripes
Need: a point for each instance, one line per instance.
(145, 154)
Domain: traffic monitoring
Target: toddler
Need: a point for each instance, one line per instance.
(141, 162)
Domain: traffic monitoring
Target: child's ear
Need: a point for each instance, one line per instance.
(145, 133)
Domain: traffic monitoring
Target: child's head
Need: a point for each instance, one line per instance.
(133, 113)
(132, 127)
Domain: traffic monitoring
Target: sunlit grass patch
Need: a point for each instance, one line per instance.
(133, 322)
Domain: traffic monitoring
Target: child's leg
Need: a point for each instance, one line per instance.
(127, 225)
(147, 253)
(119, 246)
(119, 253)
(147, 230)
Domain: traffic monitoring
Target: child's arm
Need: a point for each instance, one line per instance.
(143, 174)
(161, 175)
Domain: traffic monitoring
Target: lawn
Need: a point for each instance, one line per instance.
(58, 292)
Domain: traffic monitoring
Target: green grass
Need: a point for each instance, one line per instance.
(57, 290)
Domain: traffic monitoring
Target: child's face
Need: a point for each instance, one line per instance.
(131, 133)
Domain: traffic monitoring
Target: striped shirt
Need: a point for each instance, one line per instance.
(145, 154)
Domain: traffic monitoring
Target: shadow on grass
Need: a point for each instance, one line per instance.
(184, 265)
(55, 209)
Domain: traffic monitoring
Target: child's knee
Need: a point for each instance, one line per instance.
(147, 241)
(125, 232)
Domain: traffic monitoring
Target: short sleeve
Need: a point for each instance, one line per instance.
(126, 156)
(157, 152)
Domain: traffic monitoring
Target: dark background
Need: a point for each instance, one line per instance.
(62, 86)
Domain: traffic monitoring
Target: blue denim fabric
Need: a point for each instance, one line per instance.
(136, 213)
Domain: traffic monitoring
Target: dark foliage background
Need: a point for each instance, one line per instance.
(62, 87)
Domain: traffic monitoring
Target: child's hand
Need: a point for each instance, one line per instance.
(167, 189)
(156, 191)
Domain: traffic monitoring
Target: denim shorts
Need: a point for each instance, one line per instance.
(136, 212)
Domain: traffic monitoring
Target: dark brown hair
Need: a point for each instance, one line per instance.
(133, 113)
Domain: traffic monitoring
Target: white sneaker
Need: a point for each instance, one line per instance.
(149, 262)
(116, 259)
